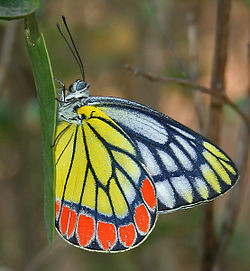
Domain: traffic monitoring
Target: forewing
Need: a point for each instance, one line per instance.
(105, 199)
(186, 167)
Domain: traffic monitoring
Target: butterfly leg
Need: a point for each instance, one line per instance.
(63, 93)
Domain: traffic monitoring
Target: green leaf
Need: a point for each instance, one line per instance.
(44, 81)
(13, 9)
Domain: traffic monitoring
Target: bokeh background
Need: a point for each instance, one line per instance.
(110, 34)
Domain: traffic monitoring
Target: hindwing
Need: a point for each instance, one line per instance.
(187, 168)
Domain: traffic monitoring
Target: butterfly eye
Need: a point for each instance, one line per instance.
(80, 85)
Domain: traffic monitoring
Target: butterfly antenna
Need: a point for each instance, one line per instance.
(73, 51)
(76, 51)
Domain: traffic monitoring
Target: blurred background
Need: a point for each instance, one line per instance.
(110, 34)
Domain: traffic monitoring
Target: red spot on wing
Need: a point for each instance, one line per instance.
(85, 229)
(106, 234)
(58, 205)
(127, 234)
(64, 219)
(72, 223)
(142, 219)
(148, 193)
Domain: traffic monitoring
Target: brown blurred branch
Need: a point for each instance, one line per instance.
(210, 242)
(232, 209)
(194, 86)
(219, 66)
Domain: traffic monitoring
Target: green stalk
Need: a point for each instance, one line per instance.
(45, 87)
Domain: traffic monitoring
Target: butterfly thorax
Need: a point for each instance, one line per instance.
(71, 100)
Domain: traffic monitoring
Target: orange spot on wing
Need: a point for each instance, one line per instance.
(127, 234)
(142, 218)
(85, 229)
(72, 223)
(148, 193)
(58, 204)
(64, 219)
(106, 234)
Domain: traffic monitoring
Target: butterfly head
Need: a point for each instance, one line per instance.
(78, 90)
(76, 97)
(79, 85)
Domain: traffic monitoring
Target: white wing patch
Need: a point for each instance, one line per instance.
(183, 188)
(189, 149)
(139, 123)
(183, 159)
(165, 193)
(149, 159)
(168, 161)
(182, 132)
(201, 187)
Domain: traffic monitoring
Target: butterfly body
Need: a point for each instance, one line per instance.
(120, 163)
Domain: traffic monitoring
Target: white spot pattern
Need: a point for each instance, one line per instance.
(184, 143)
(129, 192)
(201, 187)
(183, 159)
(149, 159)
(183, 187)
(186, 134)
(168, 161)
(165, 193)
(139, 123)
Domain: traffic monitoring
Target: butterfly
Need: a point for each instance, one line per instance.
(120, 163)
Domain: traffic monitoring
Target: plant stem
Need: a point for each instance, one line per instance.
(44, 82)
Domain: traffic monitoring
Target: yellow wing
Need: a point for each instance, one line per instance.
(105, 199)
